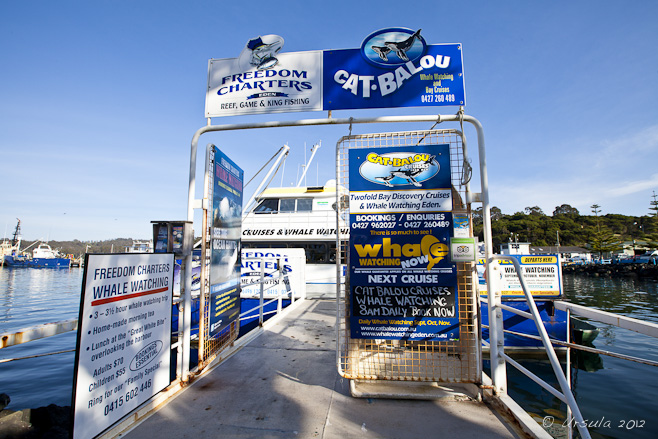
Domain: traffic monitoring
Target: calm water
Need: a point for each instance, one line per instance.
(30, 297)
(617, 397)
(610, 392)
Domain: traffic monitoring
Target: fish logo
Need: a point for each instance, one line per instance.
(399, 168)
(393, 47)
(260, 52)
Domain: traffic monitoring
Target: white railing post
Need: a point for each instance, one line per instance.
(262, 291)
(496, 336)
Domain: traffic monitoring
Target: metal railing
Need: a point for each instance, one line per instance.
(281, 276)
(35, 333)
(497, 349)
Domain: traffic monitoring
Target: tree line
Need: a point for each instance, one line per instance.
(567, 227)
(78, 248)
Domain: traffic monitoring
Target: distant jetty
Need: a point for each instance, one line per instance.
(649, 271)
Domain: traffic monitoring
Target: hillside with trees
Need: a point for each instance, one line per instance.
(598, 232)
(78, 248)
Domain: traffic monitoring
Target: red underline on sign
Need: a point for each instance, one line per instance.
(129, 296)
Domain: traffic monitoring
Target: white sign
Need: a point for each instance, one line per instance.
(293, 84)
(291, 262)
(463, 249)
(124, 337)
(542, 274)
(419, 200)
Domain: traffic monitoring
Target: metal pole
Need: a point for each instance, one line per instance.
(262, 291)
(498, 372)
(283, 152)
(313, 151)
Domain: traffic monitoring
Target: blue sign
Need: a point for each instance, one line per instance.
(226, 229)
(393, 68)
(403, 285)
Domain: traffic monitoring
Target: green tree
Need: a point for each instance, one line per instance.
(565, 209)
(604, 241)
(596, 210)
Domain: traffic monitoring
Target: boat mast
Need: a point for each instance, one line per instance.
(313, 151)
(16, 240)
(283, 153)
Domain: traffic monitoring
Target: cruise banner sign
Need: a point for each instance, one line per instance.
(394, 67)
(226, 226)
(403, 285)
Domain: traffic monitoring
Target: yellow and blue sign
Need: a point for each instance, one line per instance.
(403, 284)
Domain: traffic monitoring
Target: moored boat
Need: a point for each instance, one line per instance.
(42, 257)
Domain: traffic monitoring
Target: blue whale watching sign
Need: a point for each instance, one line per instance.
(394, 67)
(403, 285)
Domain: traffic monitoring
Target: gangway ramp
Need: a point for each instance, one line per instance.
(285, 384)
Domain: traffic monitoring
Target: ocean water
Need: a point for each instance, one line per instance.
(616, 397)
(30, 297)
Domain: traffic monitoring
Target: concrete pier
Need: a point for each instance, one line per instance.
(284, 384)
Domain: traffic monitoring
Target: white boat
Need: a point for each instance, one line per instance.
(300, 217)
(141, 246)
(11, 247)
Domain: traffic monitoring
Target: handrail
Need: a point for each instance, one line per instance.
(552, 356)
(580, 347)
(37, 332)
(639, 326)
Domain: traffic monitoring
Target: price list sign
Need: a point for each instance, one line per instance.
(124, 337)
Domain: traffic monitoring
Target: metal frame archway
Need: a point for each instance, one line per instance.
(498, 373)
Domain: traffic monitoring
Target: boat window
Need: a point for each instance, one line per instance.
(269, 205)
(287, 205)
(316, 253)
(304, 204)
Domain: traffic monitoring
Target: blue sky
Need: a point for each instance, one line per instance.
(99, 101)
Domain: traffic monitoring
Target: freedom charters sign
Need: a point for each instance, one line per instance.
(403, 285)
(394, 67)
(124, 337)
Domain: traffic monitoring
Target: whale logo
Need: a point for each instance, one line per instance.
(399, 168)
(393, 47)
(434, 249)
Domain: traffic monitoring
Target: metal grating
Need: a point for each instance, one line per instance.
(401, 360)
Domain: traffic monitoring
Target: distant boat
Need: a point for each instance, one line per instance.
(42, 257)
(141, 246)
(9, 248)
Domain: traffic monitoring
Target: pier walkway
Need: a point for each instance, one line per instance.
(284, 384)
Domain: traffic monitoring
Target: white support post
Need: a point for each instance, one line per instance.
(496, 335)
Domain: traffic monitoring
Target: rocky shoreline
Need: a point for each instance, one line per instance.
(50, 422)
(647, 271)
